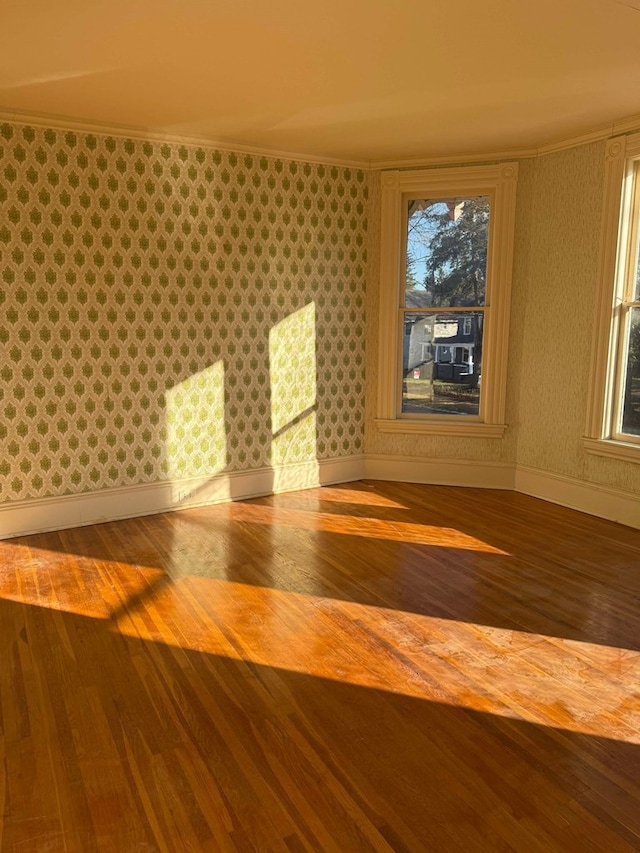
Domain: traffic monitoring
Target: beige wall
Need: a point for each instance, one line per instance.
(555, 280)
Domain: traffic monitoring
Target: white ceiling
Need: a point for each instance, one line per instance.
(348, 79)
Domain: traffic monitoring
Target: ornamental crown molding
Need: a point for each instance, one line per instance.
(57, 122)
(620, 127)
(623, 127)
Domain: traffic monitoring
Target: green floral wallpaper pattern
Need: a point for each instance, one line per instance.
(142, 286)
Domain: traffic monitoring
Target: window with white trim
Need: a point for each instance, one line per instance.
(613, 425)
(446, 256)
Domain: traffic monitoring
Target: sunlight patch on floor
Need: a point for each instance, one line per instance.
(345, 496)
(565, 684)
(83, 586)
(352, 525)
(562, 683)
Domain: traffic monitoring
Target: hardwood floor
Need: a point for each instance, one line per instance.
(371, 666)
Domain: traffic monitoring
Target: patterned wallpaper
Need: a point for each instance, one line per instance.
(169, 311)
(556, 274)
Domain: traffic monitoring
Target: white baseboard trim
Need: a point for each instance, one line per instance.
(592, 498)
(18, 518)
(441, 472)
(35, 516)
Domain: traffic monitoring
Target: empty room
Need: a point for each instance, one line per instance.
(320, 426)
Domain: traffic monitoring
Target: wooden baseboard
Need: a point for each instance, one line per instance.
(35, 516)
(592, 498)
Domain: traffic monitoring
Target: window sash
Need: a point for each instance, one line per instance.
(479, 418)
(625, 293)
(407, 198)
(482, 308)
(615, 300)
(624, 326)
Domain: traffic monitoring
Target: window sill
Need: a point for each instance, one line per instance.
(454, 428)
(621, 450)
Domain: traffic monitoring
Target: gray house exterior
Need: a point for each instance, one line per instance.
(438, 346)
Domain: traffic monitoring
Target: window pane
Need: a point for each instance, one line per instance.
(446, 252)
(441, 364)
(631, 399)
(635, 295)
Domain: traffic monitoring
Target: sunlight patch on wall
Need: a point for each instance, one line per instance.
(292, 366)
(196, 437)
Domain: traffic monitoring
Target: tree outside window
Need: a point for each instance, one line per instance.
(445, 275)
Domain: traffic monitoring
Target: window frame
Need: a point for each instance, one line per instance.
(498, 182)
(618, 248)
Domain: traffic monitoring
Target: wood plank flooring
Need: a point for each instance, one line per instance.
(367, 667)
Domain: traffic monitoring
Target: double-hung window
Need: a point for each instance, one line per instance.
(613, 425)
(446, 256)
